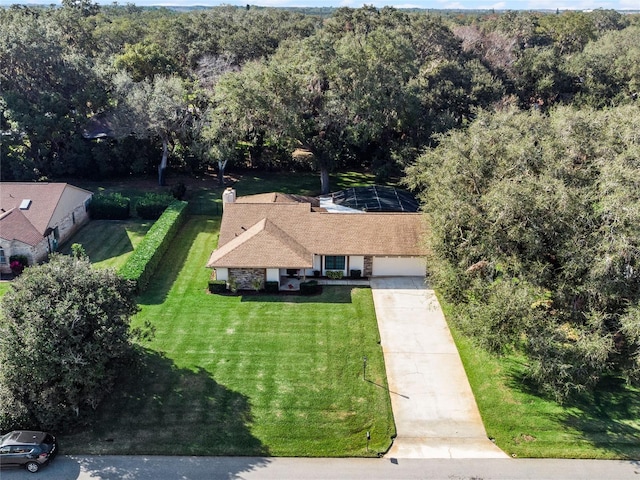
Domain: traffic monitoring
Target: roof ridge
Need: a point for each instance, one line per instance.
(291, 242)
(264, 225)
(6, 213)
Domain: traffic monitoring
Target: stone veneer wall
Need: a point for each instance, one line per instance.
(368, 266)
(244, 277)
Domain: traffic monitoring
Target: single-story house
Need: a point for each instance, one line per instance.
(268, 237)
(36, 217)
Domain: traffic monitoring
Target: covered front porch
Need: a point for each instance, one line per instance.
(292, 284)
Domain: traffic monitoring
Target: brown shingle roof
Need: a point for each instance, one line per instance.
(41, 212)
(390, 234)
(44, 197)
(264, 245)
(15, 226)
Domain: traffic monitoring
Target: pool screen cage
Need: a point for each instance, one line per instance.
(376, 198)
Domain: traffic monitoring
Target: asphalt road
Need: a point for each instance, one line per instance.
(227, 468)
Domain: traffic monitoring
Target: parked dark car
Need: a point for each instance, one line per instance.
(27, 448)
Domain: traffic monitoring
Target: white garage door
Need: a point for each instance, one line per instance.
(398, 266)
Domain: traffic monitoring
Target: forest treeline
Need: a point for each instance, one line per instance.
(518, 130)
(364, 88)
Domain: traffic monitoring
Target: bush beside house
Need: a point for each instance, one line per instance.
(17, 263)
(217, 286)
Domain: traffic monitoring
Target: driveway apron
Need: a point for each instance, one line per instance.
(434, 408)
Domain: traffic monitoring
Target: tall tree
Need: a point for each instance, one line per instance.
(608, 69)
(64, 336)
(152, 108)
(333, 98)
(44, 107)
(144, 61)
(532, 232)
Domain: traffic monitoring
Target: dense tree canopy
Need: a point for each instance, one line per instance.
(362, 88)
(534, 236)
(63, 336)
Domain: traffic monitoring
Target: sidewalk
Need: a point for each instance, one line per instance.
(434, 408)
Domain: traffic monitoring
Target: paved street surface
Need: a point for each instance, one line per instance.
(228, 468)
(433, 406)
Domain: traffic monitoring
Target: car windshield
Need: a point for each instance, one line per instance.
(4, 438)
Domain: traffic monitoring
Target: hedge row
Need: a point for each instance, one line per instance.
(153, 205)
(146, 257)
(112, 206)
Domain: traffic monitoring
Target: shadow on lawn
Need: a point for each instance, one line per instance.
(608, 417)
(161, 409)
(173, 263)
(330, 294)
(91, 236)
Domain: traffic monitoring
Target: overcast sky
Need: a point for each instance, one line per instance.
(431, 4)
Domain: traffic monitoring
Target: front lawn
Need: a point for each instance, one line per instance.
(605, 424)
(245, 375)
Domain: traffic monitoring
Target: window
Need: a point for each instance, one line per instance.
(21, 449)
(334, 262)
(3, 257)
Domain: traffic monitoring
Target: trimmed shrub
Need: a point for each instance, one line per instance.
(78, 251)
(178, 191)
(144, 260)
(217, 286)
(335, 274)
(151, 206)
(112, 206)
(355, 273)
(309, 288)
(271, 287)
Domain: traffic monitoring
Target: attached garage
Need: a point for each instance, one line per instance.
(399, 266)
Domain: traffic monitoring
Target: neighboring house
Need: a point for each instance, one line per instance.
(269, 237)
(36, 217)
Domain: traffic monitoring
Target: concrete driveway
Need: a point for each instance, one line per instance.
(434, 408)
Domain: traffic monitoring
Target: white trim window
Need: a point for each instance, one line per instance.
(335, 262)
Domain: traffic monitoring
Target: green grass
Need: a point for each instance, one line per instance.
(605, 424)
(305, 183)
(246, 375)
(205, 195)
(108, 243)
